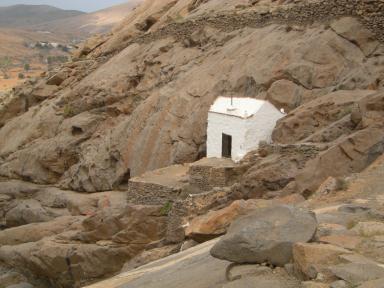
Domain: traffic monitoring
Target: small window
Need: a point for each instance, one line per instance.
(226, 150)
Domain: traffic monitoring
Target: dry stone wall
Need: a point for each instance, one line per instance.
(208, 177)
(370, 13)
(151, 193)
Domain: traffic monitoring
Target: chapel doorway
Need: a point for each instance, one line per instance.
(226, 150)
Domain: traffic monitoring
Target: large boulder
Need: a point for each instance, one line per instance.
(267, 235)
(285, 94)
(215, 223)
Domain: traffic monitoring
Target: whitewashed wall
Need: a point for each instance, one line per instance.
(231, 125)
(260, 126)
(246, 133)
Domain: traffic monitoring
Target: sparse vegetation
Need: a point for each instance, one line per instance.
(68, 111)
(27, 67)
(351, 224)
(345, 111)
(341, 184)
(178, 18)
(5, 65)
(57, 59)
(166, 208)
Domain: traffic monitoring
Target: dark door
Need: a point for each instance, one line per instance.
(226, 150)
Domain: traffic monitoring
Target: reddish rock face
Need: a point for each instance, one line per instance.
(216, 223)
(313, 258)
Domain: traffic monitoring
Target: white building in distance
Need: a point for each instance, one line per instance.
(237, 125)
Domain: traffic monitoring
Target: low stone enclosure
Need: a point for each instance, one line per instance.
(178, 182)
(185, 190)
(209, 173)
(158, 186)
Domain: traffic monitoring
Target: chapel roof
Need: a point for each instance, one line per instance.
(240, 107)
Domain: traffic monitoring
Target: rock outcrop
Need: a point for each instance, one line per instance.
(266, 235)
(216, 223)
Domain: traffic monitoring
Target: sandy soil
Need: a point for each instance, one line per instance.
(7, 84)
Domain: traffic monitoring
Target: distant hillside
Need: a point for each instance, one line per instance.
(84, 25)
(42, 35)
(26, 15)
(14, 42)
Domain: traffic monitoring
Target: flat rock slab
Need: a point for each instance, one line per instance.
(262, 282)
(21, 285)
(369, 229)
(345, 241)
(184, 270)
(358, 273)
(311, 284)
(247, 270)
(379, 283)
(266, 235)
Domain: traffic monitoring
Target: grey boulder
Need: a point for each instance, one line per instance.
(266, 235)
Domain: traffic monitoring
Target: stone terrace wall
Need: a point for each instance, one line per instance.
(208, 177)
(150, 193)
(370, 13)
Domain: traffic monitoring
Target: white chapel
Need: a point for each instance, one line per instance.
(237, 125)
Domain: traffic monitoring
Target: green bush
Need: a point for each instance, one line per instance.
(166, 208)
(27, 67)
(341, 184)
(68, 111)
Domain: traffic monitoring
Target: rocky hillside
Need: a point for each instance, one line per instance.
(137, 100)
